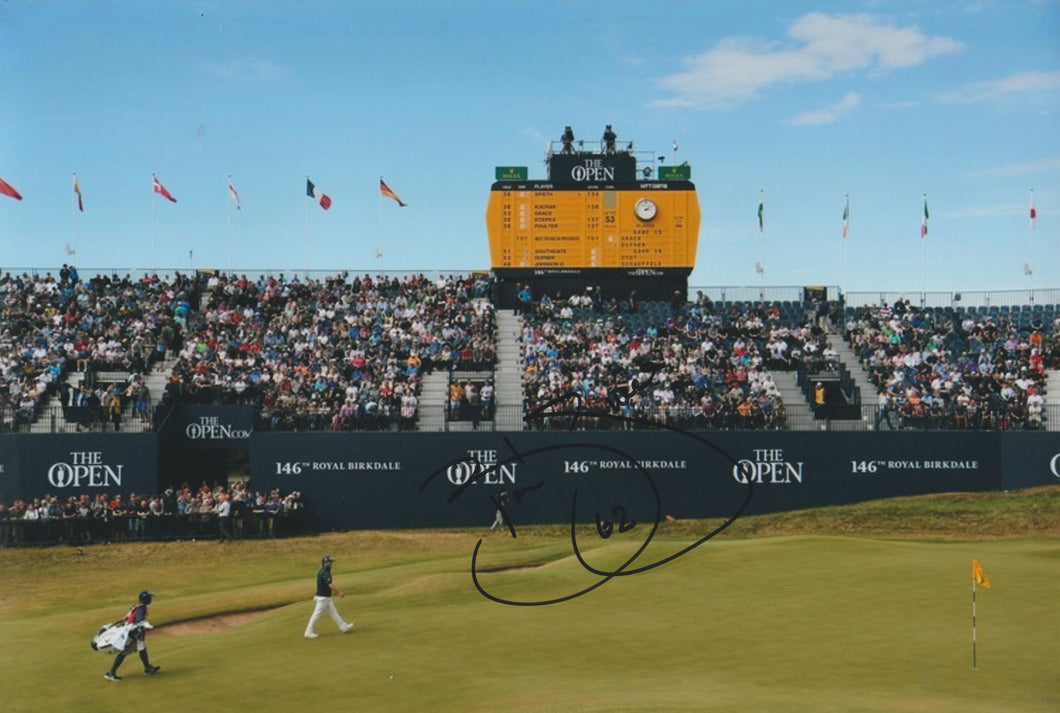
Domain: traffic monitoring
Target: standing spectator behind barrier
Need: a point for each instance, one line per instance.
(223, 511)
(819, 400)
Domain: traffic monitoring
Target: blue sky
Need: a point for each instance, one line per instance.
(809, 102)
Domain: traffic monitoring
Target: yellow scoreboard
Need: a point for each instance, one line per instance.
(540, 224)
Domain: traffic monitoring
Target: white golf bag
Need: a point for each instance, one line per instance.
(119, 636)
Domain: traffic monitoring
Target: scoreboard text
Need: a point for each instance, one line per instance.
(544, 225)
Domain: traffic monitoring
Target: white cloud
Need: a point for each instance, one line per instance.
(1019, 83)
(246, 68)
(828, 114)
(822, 47)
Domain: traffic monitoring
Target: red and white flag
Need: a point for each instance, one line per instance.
(1034, 211)
(8, 190)
(234, 194)
(157, 187)
(316, 194)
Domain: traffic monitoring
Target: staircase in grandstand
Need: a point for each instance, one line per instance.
(509, 371)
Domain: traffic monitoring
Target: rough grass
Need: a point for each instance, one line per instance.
(857, 608)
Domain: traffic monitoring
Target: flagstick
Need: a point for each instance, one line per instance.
(975, 663)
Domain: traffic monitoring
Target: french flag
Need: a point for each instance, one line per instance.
(318, 195)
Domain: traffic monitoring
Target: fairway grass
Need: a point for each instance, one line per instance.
(793, 622)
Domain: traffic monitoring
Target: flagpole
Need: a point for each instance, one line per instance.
(73, 232)
(381, 252)
(1030, 246)
(761, 242)
(153, 201)
(305, 249)
(230, 229)
(846, 244)
(923, 257)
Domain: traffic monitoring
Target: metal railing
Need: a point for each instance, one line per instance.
(511, 417)
(725, 293)
(963, 298)
(859, 298)
(135, 273)
(77, 419)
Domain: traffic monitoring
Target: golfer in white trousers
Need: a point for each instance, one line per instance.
(325, 588)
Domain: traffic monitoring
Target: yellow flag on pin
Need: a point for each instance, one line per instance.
(979, 575)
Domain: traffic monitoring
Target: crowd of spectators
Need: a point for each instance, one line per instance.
(684, 364)
(951, 370)
(349, 354)
(51, 326)
(177, 514)
(334, 354)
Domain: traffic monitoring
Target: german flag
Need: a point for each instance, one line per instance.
(386, 191)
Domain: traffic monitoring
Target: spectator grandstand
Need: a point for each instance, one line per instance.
(51, 328)
(698, 365)
(333, 354)
(344, 354)
(955, 369)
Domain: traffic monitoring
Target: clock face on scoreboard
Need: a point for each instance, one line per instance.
(645, 209)
(541, 225)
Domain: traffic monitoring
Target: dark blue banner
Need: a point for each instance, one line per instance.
(8, 469)
(1030, 459)
(454, 480)
(211, 427)
(72, 464)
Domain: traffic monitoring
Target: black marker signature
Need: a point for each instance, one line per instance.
(604, 528)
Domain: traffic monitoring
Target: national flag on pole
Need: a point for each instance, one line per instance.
(386, 191)
(234, 194)
(161, 190)
(77, 192)
(1034, 211)
(8, 190)
(761, 211)
(978, 575)
(846, 218)
(923, 223)
(316, 194)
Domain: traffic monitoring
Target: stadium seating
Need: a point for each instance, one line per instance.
(980, 368)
